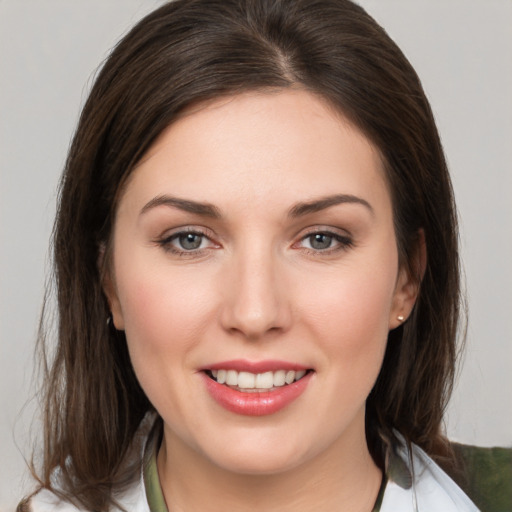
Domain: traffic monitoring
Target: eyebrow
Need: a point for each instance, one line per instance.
(299, 210)
(322, 203)
(204, 209)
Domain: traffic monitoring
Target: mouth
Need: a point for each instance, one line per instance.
(256, 389)
(248, 382)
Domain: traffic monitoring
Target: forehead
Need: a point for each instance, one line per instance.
(254, 146)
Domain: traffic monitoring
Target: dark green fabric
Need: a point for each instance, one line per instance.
(485, 476)
(380, 497)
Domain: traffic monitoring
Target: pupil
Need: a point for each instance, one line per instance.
(190, 241)
(320, 241)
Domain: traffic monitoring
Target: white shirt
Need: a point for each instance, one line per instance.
(432, 490)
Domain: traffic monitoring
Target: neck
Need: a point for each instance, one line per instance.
(341, 478)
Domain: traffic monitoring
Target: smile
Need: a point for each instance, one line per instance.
(256, 389)
(254, 382)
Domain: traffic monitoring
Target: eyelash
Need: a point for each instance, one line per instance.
(166, 243)
(344, 242)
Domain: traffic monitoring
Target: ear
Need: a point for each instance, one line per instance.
(108, 284)
(408, 283)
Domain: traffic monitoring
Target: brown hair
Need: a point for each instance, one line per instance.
(190, 51)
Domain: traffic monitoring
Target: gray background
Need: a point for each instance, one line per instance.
(462, 50)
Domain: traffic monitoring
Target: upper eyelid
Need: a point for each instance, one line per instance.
(336, 236)
(312, 230)
(168, 237)
(177, 234)
(199, 230)
(167, 243)
(343, 236)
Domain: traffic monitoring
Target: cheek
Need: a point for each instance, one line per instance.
(164, 313)
(350, 312)
(165, 317)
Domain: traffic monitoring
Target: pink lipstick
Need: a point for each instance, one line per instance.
(255, 388)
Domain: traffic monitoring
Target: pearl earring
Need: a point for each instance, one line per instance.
(400, 318)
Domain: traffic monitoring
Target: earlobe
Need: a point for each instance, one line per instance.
(408, 283)
(406, 292)
(110, 290)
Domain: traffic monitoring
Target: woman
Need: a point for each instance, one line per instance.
(257, 272)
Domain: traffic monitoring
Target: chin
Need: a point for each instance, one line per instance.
(262, 464)
(261, 455)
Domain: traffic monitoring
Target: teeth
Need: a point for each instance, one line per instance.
(290, 377)
(299, 374)
(246, 380)
(279, 378)
(266, 380)
(232, 378)
(221, 376)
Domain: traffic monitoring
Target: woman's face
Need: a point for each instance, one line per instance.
(255, 272)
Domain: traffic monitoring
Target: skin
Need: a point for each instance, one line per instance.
(258, 288)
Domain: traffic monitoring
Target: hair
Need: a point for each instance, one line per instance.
(188, 52)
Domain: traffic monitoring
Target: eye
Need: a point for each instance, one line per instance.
(186, 242)
(320, 241)
(189, 241)
(325, 241)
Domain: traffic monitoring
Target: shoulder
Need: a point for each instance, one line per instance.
(431, 488)
(45, 501)
(132, 499)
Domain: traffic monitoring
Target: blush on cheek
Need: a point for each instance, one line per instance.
(144, 317)
(348, 307)
(350, 317)
(165, 312)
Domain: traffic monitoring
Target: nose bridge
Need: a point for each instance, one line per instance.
(255, 302)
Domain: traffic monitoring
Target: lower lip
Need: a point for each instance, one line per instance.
(257, 403)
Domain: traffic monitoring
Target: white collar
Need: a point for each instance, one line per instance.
(432, 489)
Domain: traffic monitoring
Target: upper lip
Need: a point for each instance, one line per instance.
(243, 365)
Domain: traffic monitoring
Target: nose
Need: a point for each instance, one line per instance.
(255, 301)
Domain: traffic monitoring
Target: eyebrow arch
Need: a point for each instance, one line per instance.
(317, 205)
(205, 209)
